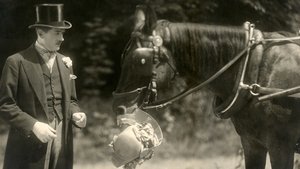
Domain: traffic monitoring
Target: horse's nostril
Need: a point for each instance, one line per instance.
(121, 110)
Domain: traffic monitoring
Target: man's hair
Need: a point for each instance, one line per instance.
(43, 28)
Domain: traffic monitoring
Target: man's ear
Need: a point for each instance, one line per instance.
(39, 32)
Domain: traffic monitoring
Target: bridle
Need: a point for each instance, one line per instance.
(160, 55)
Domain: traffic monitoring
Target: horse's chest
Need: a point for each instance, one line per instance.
(261, 120)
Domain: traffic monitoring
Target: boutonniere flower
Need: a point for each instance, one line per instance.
(73, 77)
(67, 61)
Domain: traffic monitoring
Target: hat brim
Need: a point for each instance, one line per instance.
(65, 25)
(126, 147)
(118, 161)
(141, 116)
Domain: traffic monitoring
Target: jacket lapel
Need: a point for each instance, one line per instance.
(33, 70)
(64, 75)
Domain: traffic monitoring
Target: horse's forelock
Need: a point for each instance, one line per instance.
(150, 19)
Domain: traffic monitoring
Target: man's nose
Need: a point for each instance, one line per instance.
(61, 37)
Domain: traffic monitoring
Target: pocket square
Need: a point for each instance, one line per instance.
(73, 77)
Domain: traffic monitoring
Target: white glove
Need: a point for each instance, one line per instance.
(43, 132)
(79, 118)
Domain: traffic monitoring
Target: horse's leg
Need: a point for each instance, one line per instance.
(281, 155)
(255, 154)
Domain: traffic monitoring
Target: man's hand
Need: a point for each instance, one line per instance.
(43, 132)
(79, 118)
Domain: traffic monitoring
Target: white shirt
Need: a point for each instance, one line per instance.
(48, 56)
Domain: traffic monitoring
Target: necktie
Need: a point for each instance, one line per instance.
(51, 60)
(48, 56)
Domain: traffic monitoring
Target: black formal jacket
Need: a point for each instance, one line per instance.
(23, 102)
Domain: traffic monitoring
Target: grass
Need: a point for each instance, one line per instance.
(200, 152)
(218, 162)
(177, 163)
(89, 157)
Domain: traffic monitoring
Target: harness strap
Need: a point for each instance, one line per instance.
(249, 28)
(125, 94)
(267, 92)
(163, 103)
(280, 39)
(272, 93)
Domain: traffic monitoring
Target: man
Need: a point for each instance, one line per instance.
(38, 98)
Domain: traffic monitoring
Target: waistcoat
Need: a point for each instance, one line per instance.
(53, 88)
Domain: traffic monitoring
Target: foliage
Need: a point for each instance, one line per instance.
(101, 28)
(95, 55)
(108, 30)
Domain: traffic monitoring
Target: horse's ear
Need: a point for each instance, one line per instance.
(145, 19)
(139, 17)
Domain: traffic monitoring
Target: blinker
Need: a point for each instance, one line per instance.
(142, 61)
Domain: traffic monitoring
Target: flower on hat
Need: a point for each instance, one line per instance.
(67, 61)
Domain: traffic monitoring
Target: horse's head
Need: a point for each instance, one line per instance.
(146, 63)
(202, 53)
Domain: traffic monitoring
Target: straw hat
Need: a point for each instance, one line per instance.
(138, 140)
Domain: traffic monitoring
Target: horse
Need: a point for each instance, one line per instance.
(254, 76)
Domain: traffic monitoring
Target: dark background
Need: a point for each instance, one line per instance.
(95, 43)
(102, 27)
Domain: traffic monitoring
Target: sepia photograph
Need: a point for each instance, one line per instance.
(150, 84)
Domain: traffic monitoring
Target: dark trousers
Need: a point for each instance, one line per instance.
(55, 158)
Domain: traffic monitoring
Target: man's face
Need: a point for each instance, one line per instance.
(52, 39)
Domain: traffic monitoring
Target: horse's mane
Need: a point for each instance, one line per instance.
(197, 46)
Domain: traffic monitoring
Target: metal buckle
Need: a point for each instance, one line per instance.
(254, 89)
(157, 41)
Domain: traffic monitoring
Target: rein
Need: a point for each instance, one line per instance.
(281, 39)
(249, 27)
(254, 89)
(184, 93)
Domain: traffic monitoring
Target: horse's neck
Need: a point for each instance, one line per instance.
(222, 86)
(202, 50)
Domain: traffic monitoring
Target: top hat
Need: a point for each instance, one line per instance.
(50, 15)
